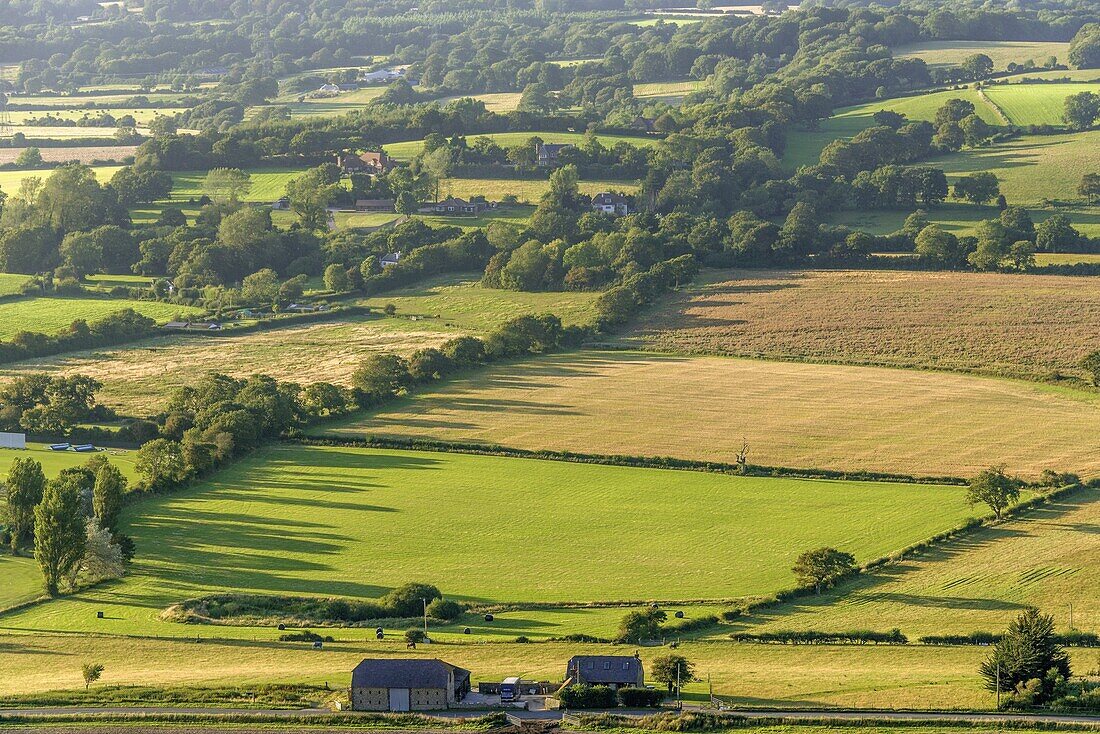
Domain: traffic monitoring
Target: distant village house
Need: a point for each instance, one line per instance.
(613, 671)
(369, 162)
(610, 203)
(460, 207)
(547, 153)
(375, 205)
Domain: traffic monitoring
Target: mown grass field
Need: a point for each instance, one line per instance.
(980, 582)
(791, 414)
(962, 219)
(952, 53)
(358, 522)
(52, 315)
(138, 377)
(1035, 104)
(11, 283)
(410, 148)
(750, 675)
(494, 102)
(526, 190)
(666, 91)
(268, 184)
(116, 100)
(1019, 325)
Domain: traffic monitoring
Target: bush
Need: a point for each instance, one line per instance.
(578, 696)
(639, 698)
(445, 609)
(304, 636)
(415, 635)
(814, 637)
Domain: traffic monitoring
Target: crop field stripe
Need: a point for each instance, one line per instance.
(791, 414)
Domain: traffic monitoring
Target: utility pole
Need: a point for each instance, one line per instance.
(678, 704)
(1071, 616)
(998, 682)
(425, 601)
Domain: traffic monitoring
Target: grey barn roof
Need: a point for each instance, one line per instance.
(606, 668)
(397, 673)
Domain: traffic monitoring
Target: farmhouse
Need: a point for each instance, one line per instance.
(390, 258)
(374, 205)
(614, 671)
(372, 161)
(382, 76)
(610, 203)
(407, 685)
(547, 153)
(456, 206)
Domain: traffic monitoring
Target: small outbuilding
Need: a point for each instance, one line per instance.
(407, 685)
(613, 671)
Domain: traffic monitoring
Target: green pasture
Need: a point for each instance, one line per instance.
(11, 283)
(364, 219)
(518, 214)
(1066, 258)
(494, 102)
(666, 91)
(268, 184)
(979, 582)
(460, 302)
(306, 106)
(86, 102)
(959, 219)
(952, 53)
(52, 315)
(680, 19)
(357, 522)
(410, 148)
(11, 180)
(1035, 104)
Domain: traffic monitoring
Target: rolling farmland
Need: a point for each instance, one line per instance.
(791, 414)
(410, 148)
(1035, 104)
(979, 582)
(11, 283)
(268, 184)
(525, 190)
(951, 53)
(11, 180)
(1018, 325)
(353, 522)
(138, 377)
(52, 315)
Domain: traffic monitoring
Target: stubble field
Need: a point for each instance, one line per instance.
(791, 414)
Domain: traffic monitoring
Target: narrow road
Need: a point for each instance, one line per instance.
(830, 715)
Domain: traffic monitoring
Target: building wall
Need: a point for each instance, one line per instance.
(427, 699)
(370, 699)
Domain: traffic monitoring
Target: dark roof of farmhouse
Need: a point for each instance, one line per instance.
(606, 668)
(397, 673)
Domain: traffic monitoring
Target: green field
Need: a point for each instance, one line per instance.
(1035, 104)
(357, 522)
(978, 583)
(11, 283)
(410, 148)
(793, 414)
(141, 115)
(952, 53)
(494, 102)
(960, 219)
(268, 184)
(52, 315)
(116, 100)
(666, 91)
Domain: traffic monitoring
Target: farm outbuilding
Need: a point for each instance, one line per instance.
(13, 440)
(407, 685)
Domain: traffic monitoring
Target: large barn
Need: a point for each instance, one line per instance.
(407, 685)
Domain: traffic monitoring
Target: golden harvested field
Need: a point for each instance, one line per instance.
(885, 676)
(791, 414)
(1017, 325)
(138, 377)
(980, 582)
(950, 53)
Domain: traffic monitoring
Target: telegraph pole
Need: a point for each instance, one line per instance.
(998, 682)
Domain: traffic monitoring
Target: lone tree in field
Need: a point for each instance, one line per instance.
(1090, 187)
(110, 486)
(1027, 656)
(822, 567)
(59, 532)
(669, 669)
(994, 488)
(643, 624)
(25, 483)
(92, 672)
